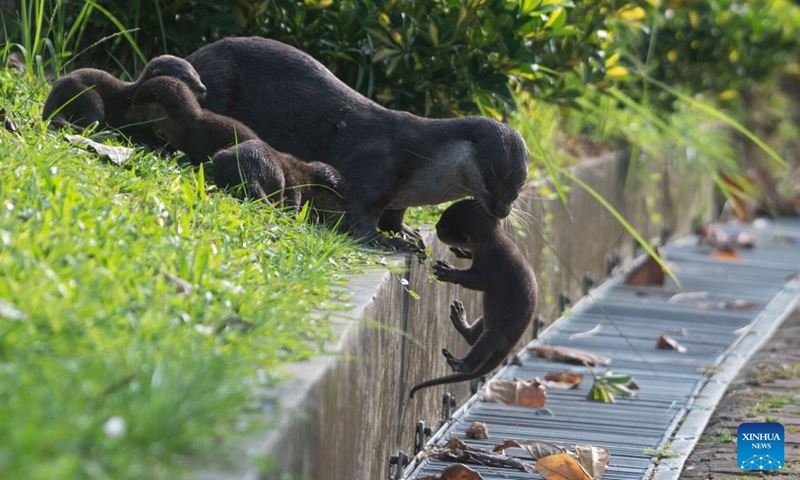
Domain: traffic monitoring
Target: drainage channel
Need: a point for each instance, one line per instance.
(678, 391)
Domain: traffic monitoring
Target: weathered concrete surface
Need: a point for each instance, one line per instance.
(343, 415)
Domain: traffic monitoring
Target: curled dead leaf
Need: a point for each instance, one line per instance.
(477, 431)
(535, 448)
(116, 155)
(523, 393)
(594, 460)
(648, 274)
(562, 380)
(569, 355)
(561, 467)
(665, 342)
(460, 472)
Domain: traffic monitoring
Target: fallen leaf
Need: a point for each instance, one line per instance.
(648, 274)
(609, 384)
(457, 451)
(460, 472)
(588, 333)
(116, 155)
(594, 460)
(562, 380)
(725, 255)
(182, 287)
(632, 385)
(11, 312)
(429, 477)
(523, 393)
(569, 355)
(666, 342)
(682, 297)
(739, 304)
(561, 467)
(535, 448)
(8, 124)
(477, 431)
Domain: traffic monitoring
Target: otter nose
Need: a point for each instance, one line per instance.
(500, 210)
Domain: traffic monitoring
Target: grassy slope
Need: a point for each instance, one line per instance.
(91, 327)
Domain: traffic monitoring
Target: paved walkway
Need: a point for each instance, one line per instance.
(768, 387)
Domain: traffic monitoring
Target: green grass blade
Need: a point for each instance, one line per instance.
(613, 211)
(720, 116)
(122, 29)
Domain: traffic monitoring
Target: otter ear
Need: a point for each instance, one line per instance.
(156, 72)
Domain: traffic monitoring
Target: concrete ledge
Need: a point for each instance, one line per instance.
(341, 416)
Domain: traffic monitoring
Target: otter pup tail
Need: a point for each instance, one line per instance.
(494, 360)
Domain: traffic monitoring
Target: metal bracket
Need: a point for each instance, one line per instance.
(587, 283)
(612, 262)
(448, 403)
(399, 462)
(421, 434)
(563, 301)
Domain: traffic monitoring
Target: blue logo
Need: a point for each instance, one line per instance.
(760, 446)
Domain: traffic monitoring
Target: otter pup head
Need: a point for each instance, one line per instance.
(161, 98)
(327, 187)
(169, 66)
(465, 223)
(502, 158)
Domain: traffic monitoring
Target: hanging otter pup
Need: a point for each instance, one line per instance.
(396, 159)
(89, 95)
(238, 155)
(507, 281)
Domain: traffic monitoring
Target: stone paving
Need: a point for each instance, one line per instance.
(767, 388)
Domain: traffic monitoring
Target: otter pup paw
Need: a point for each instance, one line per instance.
(444, 271)
(457, 314)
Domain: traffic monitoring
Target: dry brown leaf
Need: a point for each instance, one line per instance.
(455, 444)
(569, 355)
(632, 385)
(8, 124)
(116, 155)
(561, 467)
(665, 342)
(535, 448)
(562, 380)
(725, 255)
(477, 431)
(647, 274)
(430, 477)
(739, 304)
(523, 393)
(594, 460)
(681, 297)
(460, 472)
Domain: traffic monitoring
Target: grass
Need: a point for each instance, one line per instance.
(119, 358)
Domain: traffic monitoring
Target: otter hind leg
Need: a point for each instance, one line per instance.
(249, 166)
(485, 349)
(391, 221)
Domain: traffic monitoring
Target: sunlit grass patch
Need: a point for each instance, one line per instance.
(139, 308)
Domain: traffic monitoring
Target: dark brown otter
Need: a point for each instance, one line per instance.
(239, 157)
(500, 271)
(89, 95)
(396, 159)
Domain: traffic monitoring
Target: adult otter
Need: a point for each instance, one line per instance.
(395, 159)
(238, 155)
(88, 95)
(502, 273)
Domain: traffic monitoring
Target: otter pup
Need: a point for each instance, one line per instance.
(502, 273)
(88, 95)
(238, 155)
(396, 159)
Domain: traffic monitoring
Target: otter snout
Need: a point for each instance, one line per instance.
(500, 210)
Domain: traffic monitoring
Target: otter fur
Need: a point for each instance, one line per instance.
(238, 155)
(394, 159)
(507, 281)
(89, 95)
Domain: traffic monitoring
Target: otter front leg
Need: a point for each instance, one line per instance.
(392, 221)
(471, 278)
(459, 318)
(362, 222)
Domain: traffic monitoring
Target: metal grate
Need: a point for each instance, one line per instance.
(631, 319)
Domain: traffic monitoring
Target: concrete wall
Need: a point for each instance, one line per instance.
(342, 416)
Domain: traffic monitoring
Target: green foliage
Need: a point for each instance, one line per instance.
(139, 309)
(718, 46)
